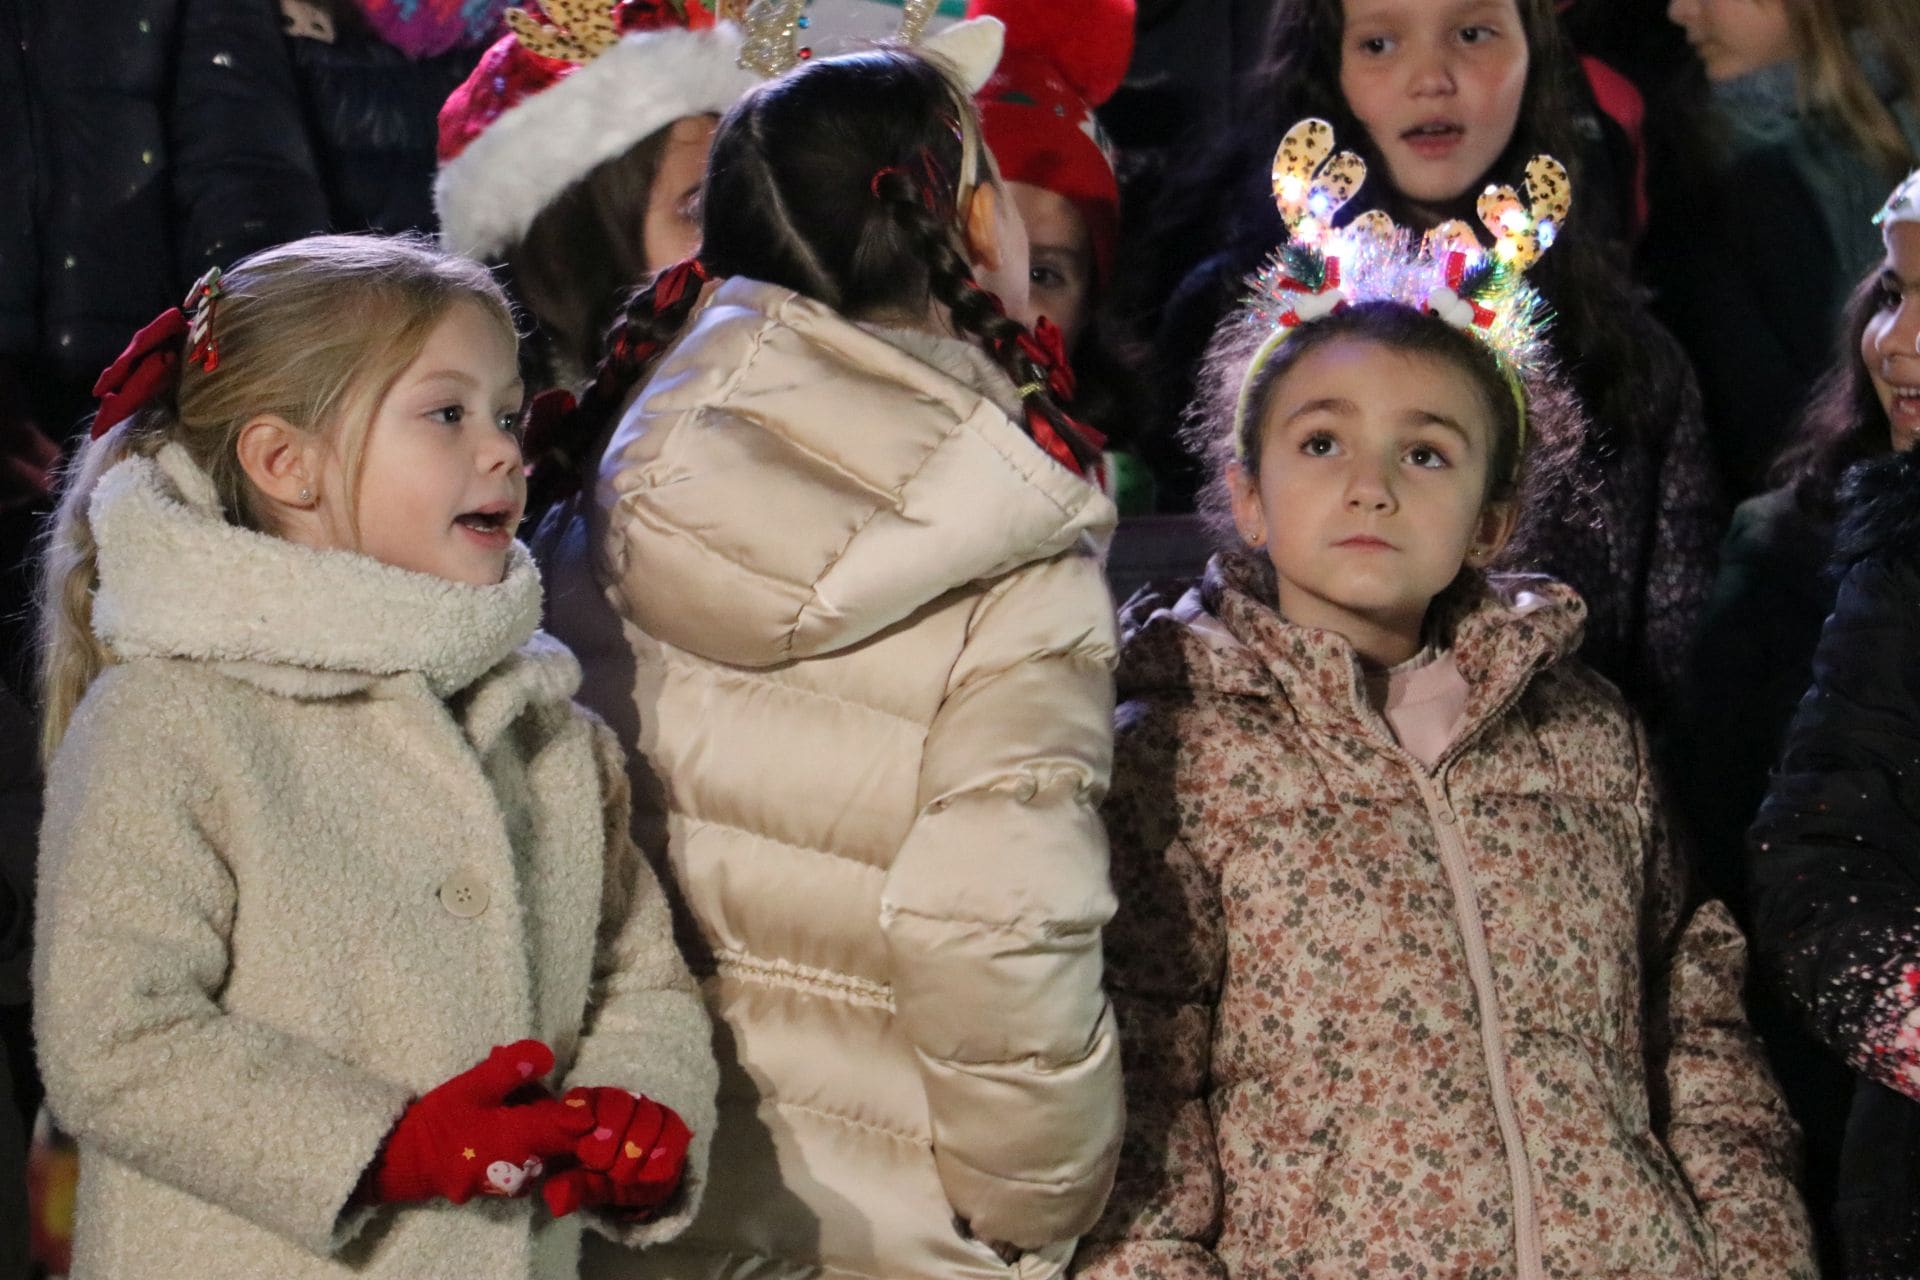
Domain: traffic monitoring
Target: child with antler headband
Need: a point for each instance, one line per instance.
(1442, 99)
(854, 545)
(1407, 978)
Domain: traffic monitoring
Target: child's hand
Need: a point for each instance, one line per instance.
(631, 1158)
(464, 1138)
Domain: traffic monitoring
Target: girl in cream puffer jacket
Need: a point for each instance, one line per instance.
(870, 651)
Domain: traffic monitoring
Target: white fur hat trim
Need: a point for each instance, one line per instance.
(488, 195)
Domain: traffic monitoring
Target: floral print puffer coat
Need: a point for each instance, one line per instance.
(1384, 1020)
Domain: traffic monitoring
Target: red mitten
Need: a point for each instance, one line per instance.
(632, 1159)
(465, 1139)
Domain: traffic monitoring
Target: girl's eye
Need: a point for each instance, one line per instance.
(448, 414)
(1425, 455)
(1375, 45)
(1318, 445)
(1476, 35)
(1047, 278)
(1889, 297)
(514, 424)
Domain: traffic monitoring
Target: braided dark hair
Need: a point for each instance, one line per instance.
(974, 310)
(559, 444)
(842, 181)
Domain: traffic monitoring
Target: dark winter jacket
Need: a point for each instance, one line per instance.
(371, 114)
(1753, 266)
(1836, 861)
(1752, 664)
(166, 138)
(19, 236)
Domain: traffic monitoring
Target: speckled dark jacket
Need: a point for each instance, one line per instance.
(158, 138)
(1836, 861)
(1382, 1020)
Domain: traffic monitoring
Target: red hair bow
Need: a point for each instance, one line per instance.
(672, 284)
(148, 365)
(142, 371)
(1046, 348)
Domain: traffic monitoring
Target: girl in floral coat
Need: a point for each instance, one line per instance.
(1408, 981)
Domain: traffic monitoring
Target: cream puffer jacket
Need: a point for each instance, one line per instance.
(325, 833)
(872, 682)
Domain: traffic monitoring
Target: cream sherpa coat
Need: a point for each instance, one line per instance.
(869, 668)
(325, 833)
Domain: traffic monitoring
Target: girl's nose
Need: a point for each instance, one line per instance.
(1901, 337)
(1433, 74)
(501, 450)
(1369, 490)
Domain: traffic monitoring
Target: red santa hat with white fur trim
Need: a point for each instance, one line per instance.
(574, 84)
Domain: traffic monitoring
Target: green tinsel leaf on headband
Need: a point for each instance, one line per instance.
(1303, 263)
(1485, 277)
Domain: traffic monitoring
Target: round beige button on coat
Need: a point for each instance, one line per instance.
(465, 895)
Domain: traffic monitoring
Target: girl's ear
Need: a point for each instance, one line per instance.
(1249, 513)
(282, 461)
(1490, 535)
(981, 227)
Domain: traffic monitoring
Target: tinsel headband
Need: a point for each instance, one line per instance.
(1323, 269)
(1903, 205)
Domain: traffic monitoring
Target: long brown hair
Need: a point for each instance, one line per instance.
(1833, 82)
(283, 351)
(1844, 421)
(580, 259)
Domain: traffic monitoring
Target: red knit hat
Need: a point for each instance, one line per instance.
(576, 83)
(1062, 60)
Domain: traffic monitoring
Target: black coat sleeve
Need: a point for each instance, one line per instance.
(244, 175)
(1836, 849)
(19, 232)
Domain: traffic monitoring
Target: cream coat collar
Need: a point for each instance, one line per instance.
(178, 580)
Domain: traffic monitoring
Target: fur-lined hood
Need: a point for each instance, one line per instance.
(178, 580)
(1879, 510)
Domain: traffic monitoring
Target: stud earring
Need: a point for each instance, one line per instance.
(306, 495)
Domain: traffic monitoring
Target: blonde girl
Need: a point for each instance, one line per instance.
(322, 825)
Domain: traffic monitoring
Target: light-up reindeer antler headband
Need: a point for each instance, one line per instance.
(1322, 268)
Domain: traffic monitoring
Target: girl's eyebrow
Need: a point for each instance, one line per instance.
(1337, 405)
(462, 378)
(1429, 418)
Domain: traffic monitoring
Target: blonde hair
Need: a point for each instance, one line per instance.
(315, 332)
(1833, 83)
